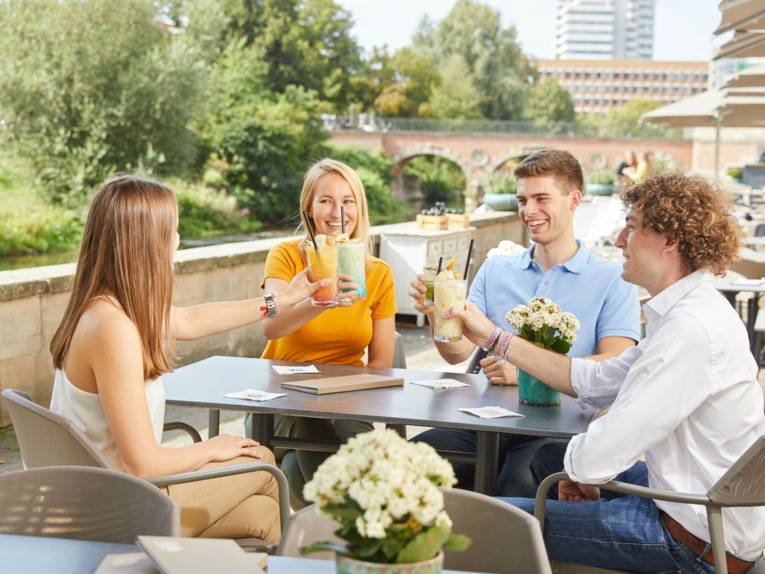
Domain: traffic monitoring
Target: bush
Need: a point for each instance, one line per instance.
(499, 183)
(46, 229)
(736, 173)
(441, 180)
(601, 177)
(206, 212)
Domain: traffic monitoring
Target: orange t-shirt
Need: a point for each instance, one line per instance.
(340, 334)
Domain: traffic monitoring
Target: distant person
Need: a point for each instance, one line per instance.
(339, 335)
(110, 352)
(762, 157)
(625, 172)
(557, 266)
(644, 168)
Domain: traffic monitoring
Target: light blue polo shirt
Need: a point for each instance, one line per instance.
(587, 286)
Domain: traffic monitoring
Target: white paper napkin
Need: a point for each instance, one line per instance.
(748, 282)
(490, 412)
(254, 395)
(441, 384)
(290, 370)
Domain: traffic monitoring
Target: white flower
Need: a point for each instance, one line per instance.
(541, 315)
(506, 247)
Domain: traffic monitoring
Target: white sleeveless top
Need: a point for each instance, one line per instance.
(84, 410)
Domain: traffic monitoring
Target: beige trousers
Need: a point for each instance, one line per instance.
(240, 506)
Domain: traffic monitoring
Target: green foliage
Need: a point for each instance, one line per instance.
(206, 212)
(550, 105)
(456, 96)
(406, 82)
(502, 183)
(474, 32)
(440, 179)
(45, 229)
(736, 173)
(374, 170)
(602, 177)
(89, 88)
(624, 121)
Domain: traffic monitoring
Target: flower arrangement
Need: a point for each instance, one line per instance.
(506, 247)
(543, 323)
(386, 495)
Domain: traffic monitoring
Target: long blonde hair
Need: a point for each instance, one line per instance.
(332, 166)
(126, 254)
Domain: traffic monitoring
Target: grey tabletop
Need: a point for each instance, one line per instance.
(42, 555)
(204, 383)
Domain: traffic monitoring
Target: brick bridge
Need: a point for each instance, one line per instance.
(480, 154)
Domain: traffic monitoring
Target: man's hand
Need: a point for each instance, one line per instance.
(498, 372)
(574, 492)
(417, 292)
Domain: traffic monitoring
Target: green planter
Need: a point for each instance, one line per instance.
(534, 392)
(501, 201)
(600, 188)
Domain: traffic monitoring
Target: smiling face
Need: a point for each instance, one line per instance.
(547, 213)
(332, 192)
(643, 250)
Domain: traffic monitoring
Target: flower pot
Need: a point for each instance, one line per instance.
(534, 392)
(501, 201)
(346, 565)
(600, 188)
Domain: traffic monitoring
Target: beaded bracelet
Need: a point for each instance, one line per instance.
(492, 339)
(503, 342)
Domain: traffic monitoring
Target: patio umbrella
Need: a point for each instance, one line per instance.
(743, 45)
(741, 15)
(713, 108)
(753, 77)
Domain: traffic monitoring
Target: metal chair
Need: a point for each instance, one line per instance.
(48, 439)
(504, 539)
(741, 485)
(84, 503)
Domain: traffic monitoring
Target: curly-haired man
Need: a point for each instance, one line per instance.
(686, 398)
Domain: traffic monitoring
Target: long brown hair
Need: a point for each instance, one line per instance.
(126, 254)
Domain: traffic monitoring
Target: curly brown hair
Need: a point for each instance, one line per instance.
(693, 212)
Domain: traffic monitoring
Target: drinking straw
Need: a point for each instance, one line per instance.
(342, 219)
(467, 261)
(440, 261)
(310, 231)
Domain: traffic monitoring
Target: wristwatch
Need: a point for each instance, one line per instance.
(271, 308)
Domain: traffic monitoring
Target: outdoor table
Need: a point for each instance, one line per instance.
(730, 288)
(43, 555)
(204, 383)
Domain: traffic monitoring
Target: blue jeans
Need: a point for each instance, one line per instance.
(516, 453)
(621, 532)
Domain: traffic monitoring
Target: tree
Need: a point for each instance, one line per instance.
(550, 104)
(624, 121)
(500, 70)
(88, 88)
(457, 95)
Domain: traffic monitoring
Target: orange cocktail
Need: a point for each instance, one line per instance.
(322, 263)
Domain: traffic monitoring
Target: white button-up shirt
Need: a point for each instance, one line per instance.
(686, 397)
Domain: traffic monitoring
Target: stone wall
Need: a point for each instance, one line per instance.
(32, 302)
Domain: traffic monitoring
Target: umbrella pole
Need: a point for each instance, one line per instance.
(717, 146)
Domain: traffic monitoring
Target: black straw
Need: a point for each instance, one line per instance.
(440, 262)
(342, 219)
(467, 262)
(310, 231)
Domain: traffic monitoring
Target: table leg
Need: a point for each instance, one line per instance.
(751, 317)
(213, 423)
(487, 452)
(261, 428)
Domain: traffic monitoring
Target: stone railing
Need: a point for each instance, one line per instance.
(32, 302)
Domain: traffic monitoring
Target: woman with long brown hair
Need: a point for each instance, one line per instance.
(111, 349)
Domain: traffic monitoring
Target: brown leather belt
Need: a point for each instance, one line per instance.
(699, 546)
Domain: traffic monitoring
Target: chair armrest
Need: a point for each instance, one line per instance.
(183, 427)
(194, 476)
(642, 491)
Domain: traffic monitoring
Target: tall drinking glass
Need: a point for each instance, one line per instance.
(448, 293)
(352, 260)
(322, 263)
(430, 275)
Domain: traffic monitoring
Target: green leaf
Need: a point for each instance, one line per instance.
(457, 543)
(368, 548)
(424, 546)
(345, 512)
(561, 346)
(324, 546)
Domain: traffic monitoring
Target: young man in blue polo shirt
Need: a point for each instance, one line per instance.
(558, 267)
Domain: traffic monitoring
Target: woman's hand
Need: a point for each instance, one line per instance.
(300, 288)
(475, 325)
(346, 290)
(225, 447)
(498, 372)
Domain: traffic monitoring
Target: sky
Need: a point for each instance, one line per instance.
(683, 27)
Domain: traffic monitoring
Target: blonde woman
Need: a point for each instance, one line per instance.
(338, 335)
(110, 352)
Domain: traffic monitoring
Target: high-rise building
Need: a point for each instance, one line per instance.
(605, 29)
